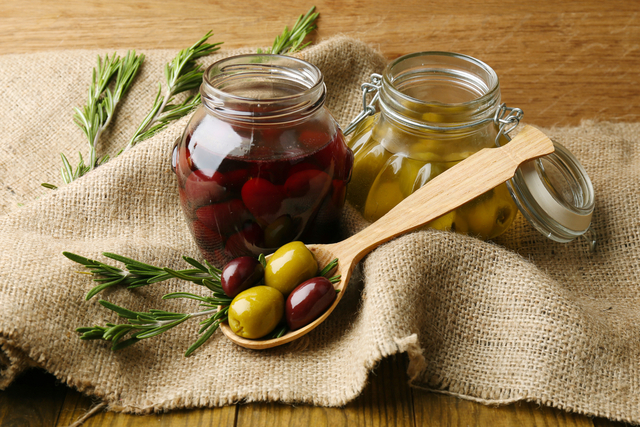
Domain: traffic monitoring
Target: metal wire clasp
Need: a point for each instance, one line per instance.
(506, 119)
(368, 109)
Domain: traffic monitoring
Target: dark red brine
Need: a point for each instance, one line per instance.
(256, 173)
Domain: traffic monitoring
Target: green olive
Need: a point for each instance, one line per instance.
(289, 266)
(488, 215)
(279, 231)
(256, 312)
(444, 222)
(367, 162)
(394, 182)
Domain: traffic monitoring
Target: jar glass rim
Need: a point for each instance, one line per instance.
(307, 75)
(493, 83)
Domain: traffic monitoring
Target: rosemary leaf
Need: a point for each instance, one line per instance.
(121, 311)
(129, 262)
(329, 267)
(100, 108)
(185, 295)
(195, 263)
(157, 331)
(147, 325)
(203, 338)
(137, 274)
(124, 344)
(335, 279)
(262, 260)
(182, 73)
(102, 287)
(291, 41)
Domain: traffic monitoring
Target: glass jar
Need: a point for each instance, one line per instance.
(438, 108)
(262, 162)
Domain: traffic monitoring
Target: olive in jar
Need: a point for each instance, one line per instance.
(436, 109)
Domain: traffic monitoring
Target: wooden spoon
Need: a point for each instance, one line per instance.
(468, 179)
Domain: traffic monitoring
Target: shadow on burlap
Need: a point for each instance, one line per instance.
(519, 319)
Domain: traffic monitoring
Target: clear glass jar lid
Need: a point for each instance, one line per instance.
(555, 194)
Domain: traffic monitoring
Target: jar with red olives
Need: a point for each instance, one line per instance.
(262, 162)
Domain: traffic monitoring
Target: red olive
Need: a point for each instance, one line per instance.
(204, 187)
(262, 198)
(275, 171)
(303, 166)
(310, 183)
(248, 241)
(235, 179)
(241, 274)
(305, 190)
(329, 211)
(225, 218)
(308, 301)
(336, 156)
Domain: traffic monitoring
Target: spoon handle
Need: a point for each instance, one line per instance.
(468, 179)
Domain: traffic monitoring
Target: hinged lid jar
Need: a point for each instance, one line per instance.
(436, 109)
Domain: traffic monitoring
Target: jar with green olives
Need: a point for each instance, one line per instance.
(436, 109)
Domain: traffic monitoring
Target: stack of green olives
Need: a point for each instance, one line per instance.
(287, 288)
(390, 164)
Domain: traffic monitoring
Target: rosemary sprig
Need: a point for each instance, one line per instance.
(142, 325)
(101, 105)
(291, 41)
(149, 324)
(327, 268)
(181, 74)
(137, 274)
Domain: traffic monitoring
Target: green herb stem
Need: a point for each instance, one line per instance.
(100, 108)
(290, 41)
(182, 74)
(143, 325)
(137, 274)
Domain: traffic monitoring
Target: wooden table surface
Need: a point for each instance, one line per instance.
(561, 62)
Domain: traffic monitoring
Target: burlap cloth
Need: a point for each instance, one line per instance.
(523, 318)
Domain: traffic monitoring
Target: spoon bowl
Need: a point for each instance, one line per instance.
(467, 180)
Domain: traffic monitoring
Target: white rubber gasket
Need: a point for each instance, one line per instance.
(565, 217)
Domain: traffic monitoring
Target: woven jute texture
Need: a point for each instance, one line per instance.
(521, 318)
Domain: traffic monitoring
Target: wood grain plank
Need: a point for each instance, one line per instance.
(560, 63)
(386, 401)
(603, 422)
(76, 405)
(438, 410)
(33, 400)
